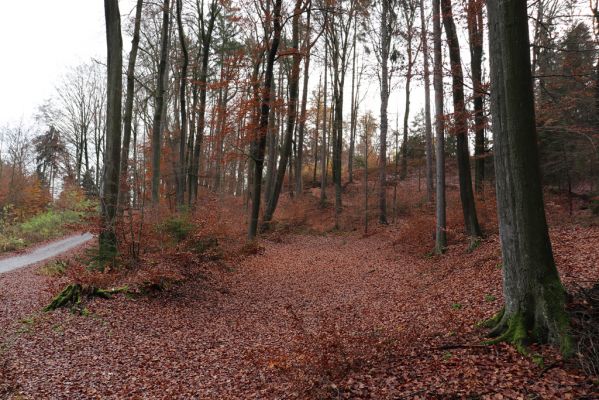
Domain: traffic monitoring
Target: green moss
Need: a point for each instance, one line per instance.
(538, 359)
(489, 298)
(456, 306)
(516, 333)
(475, 243)
(493, 321)
(54, 268)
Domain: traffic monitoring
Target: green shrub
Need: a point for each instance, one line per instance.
(10, 243)
(54, 268)
(48, 225)
(177, 227)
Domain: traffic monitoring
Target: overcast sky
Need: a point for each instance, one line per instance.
(39, 40)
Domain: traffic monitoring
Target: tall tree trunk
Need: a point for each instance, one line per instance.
(316, 129)
(294, 77)
(406, 117)
(302, 120)
(352, 129)
(440, 204)
(323, 161)
(206, 36)
(114, 92)
(260, 141)
(128, 117)
(460, 123)
(475, 34)
(159, 104)
(385, 45)
(272, 138)
(427, 108)
(534, 296)
(182, 106)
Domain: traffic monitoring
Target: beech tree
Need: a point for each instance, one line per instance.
(440, 205)
(427, 104)
(259, 144)
(128, 114)
(475, 35)
(460, 123)
(294, 77)
(534, 296)
(159, 112)
(114, 44)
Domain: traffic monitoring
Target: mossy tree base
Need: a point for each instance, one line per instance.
(545, 325)
(73, 295)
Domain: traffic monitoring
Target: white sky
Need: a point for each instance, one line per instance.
(39, 40)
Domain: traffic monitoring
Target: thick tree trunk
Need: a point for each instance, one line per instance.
(128, 116)
(427, 108)
(260, 141)
(385, 45)
(114, 91)
(534, 295)
(159, 104)
(475, 33)
(271, 204)
(440, 205)
(460, 123)
(183, 108)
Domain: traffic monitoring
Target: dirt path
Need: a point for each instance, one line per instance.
(312, 317)
(44, 252)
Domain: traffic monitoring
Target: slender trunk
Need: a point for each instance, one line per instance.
(427, 108)
(475, 33)
(206, 36)
(316, 129)
(323, 162)
(183, 108)
(260, 141)
(159, 105)
(460, 124)
(534, 296)
(114, 90)
(440, 206)
(271, 204)
(385, 45)
(272, 138)
(406, 117)
(302, 120)
(352, 129)
(128, 117)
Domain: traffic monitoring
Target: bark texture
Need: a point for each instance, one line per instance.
(440, 204)
(114, 91)
(534, 296)
(460, 123)
(159, 104)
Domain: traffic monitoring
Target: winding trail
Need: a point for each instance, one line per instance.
(44, 252)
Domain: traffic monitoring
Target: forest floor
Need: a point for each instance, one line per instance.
(312, 315)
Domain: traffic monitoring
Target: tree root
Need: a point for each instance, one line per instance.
(73, 294)
(492, 322)
(519, 331)
(512, 330)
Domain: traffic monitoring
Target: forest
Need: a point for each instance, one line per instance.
(309, 199)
